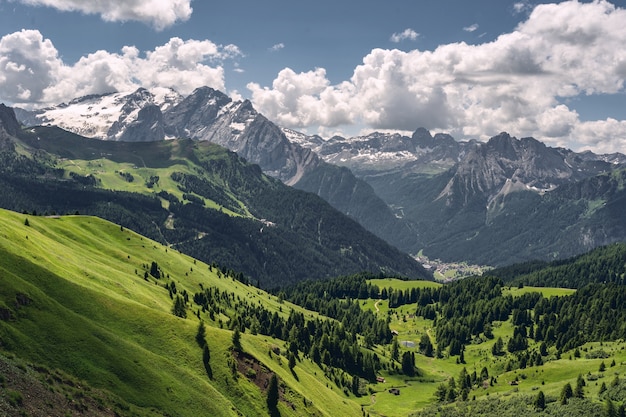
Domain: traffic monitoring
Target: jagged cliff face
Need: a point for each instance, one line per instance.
(9, 126)
(505, 164)
(210, 115)
(8, 121)
(384, 152)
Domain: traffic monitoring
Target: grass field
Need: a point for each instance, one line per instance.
(419, 392)
(398, 284)
(545, 291)
(92, 314)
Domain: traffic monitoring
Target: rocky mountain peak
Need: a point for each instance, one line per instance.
(423, 138)
(147, 127)
(504, 145)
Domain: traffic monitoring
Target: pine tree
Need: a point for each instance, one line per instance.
(272, 393)
(540, 401)
(154, 270)
(179, 308)
(579, 392)
(441, 392)
(395, 350)
(237, 340)
(566, 393)
(408, 366)
(496, 350)
(200, 336)
(206, 358)
(425, 345)
(609, 408)
(356, 385)
(602, 388)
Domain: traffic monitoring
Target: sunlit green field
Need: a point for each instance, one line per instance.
(94, 315)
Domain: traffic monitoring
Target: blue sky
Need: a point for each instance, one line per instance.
(554, 71)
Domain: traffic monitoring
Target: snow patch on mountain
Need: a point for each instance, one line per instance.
(106, 116)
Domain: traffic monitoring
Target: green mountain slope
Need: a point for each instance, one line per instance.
(74, 297)
(196, 197)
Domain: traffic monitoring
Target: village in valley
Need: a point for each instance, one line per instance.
(450, 271)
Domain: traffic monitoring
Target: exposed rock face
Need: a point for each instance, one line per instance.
(9, 127)
(505, 164)
(148, 127)
(210, 115)
(8, 122)
(384, 153)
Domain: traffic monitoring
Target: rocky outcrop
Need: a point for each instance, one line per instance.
(8, 122)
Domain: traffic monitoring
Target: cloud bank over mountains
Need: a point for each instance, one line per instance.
(524, 81)
(34, 73)
(521, 82)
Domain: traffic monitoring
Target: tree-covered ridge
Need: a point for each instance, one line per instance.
(606, 264)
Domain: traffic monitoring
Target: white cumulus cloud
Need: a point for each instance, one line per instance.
(32, 72)
(277, 47)
(158, 13)
(407, 34)
(520, 82)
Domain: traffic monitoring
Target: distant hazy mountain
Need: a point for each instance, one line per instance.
(499, 202)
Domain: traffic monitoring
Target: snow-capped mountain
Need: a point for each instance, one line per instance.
(385, 152)
(117, 116)
(485, 167)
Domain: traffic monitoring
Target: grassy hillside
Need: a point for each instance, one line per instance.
(74, 297)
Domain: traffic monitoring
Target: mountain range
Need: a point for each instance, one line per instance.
(504, 201)
(497, 202)
(195, 196)
(210, 115)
